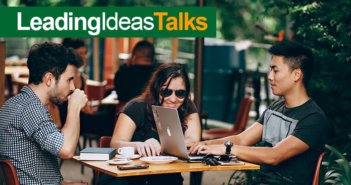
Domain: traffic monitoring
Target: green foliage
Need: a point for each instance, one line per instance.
(3, 3)
(338, 168)
(237, 19)
(325, 27)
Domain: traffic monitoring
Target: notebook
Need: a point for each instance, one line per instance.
(170, 132)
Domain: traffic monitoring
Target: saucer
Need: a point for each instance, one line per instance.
(135, 156)
(119, 161)
(159, 159)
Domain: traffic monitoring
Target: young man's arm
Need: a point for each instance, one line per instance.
(249, 137)
(72, 126)
(287, 148)
(310, 132)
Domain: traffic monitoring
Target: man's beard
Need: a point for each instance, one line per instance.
(55, 98)
(57, 101)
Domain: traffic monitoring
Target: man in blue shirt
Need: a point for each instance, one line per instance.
(28, 135)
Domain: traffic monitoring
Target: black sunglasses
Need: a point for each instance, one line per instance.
(168, 92)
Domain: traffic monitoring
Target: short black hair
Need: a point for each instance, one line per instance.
(297, 56)
(146, 49)
(48, 57)
(73, 43)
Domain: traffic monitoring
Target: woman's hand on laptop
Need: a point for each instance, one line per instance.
(150, 147)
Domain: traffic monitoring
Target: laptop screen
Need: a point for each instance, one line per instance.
(170, 131)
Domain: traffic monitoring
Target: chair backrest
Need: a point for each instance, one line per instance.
(318, 167)
(95, 90)
(105, 141)
(242, 114)
(9, 172)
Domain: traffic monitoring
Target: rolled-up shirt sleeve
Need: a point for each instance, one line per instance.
(39, 126)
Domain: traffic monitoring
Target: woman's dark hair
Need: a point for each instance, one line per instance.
(152, 91)
(48, 57)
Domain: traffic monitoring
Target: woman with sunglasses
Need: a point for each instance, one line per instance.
(169, 86)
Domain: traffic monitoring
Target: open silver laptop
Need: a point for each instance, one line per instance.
(171, 134)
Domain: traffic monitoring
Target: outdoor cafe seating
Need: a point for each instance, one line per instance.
(239, 125)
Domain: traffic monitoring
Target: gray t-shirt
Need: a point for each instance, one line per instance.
(306, 122)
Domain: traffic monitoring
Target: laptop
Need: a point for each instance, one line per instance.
(171, 135)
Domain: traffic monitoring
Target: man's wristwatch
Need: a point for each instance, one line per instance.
(228, 147)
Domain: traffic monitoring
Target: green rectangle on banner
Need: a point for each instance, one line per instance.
(108, 22)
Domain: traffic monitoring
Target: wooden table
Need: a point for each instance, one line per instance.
(16, 70)
(175, 167)
(21, 80)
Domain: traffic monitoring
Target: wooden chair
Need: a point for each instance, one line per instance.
(317, 170)
(9, 172)
(104, 142)
(239, 125)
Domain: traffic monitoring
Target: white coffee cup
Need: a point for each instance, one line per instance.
(126, 152)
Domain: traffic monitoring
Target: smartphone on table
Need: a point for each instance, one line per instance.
(133, 166)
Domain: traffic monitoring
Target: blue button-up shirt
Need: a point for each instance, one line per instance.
(30, 139)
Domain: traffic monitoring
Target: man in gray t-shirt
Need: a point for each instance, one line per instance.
(292, 129)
